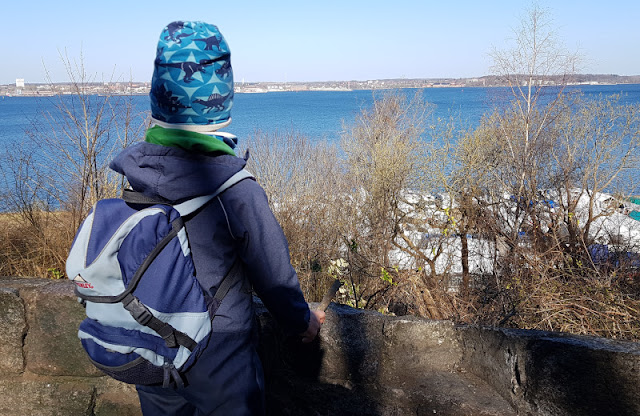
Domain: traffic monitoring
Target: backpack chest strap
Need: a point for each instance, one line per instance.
(172, 337)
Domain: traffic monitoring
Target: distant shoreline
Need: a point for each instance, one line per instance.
(288, 88)
(22, 88)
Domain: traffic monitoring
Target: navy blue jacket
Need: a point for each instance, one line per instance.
(237, 225)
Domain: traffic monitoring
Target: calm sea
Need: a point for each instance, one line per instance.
(316, 114)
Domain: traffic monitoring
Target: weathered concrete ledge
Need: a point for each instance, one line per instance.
(364, 364)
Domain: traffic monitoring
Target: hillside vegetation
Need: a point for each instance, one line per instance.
(526, 221)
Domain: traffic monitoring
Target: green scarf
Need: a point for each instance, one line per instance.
(187, 140)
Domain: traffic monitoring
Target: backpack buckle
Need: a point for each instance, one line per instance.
(138, 311)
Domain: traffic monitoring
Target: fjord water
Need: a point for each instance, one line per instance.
(316, 114)
(319, 115)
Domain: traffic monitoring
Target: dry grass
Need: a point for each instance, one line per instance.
(583, 306)
(35, 249)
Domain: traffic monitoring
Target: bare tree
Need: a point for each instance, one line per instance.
(76, 141)
(537, 69)
(595, 154)
(383, 151)
(53, 180)
(305, 184)
(536, 171)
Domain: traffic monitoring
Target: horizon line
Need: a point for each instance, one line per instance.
(325, 81)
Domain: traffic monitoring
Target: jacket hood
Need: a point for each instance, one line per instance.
(174, 174)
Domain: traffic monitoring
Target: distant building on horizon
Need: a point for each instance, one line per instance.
(19, 82)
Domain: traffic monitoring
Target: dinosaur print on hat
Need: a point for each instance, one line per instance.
(192, 80)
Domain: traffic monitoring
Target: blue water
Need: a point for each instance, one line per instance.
(319, 115)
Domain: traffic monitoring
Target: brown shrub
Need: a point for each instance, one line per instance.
(35, 249)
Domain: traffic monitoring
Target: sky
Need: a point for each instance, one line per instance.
(294, 41)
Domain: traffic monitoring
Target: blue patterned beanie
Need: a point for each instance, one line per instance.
(192, 83)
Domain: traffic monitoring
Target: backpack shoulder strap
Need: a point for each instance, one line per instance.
(132, 197)
(192, 205)
(232, 276)
(187, 207)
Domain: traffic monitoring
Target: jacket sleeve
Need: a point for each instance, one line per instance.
(265, 253)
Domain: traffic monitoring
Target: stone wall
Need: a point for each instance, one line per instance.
(44, 370)
(364, 364)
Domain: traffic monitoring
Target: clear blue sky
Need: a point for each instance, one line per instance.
(310, 40)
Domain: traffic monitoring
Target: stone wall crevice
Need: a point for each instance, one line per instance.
(13, 330)
(91, 410)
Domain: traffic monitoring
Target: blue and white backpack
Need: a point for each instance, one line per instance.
(148, 318)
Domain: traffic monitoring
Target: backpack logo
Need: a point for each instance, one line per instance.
(80, 282)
